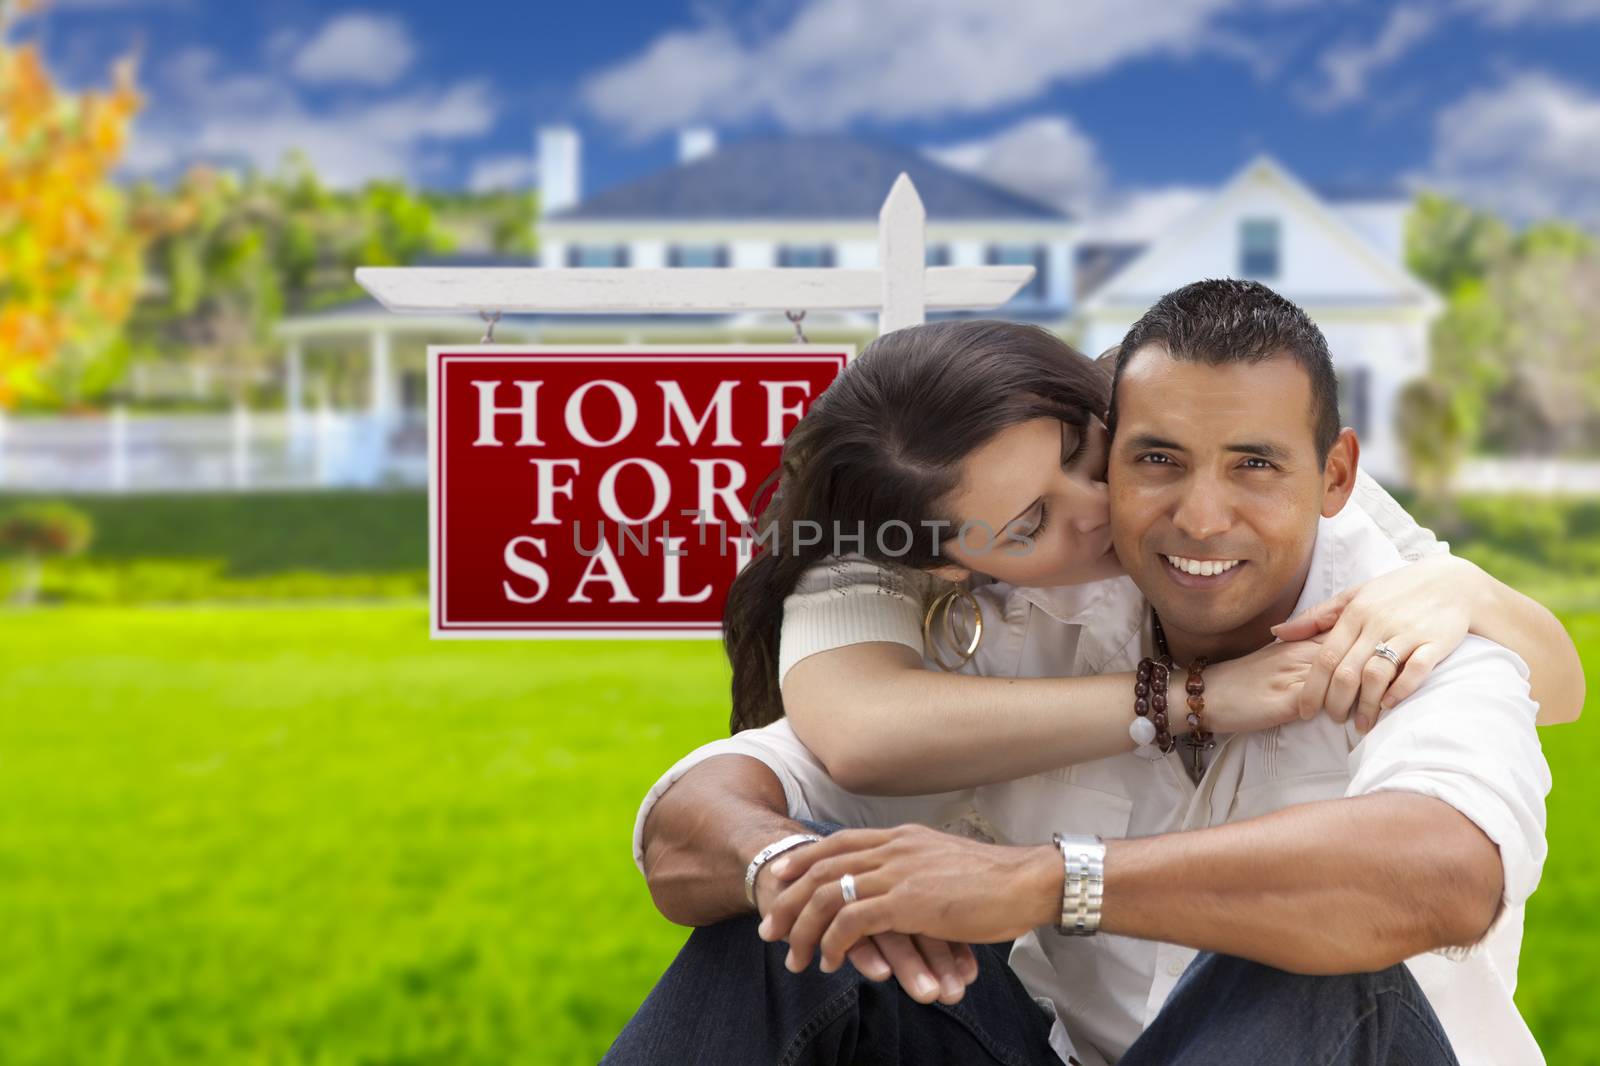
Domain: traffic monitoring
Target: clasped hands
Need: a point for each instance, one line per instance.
(922, 895)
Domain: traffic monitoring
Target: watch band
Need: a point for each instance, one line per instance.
(1083, 859)
(771, 851)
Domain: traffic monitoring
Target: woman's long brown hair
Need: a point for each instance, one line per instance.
(884, 443)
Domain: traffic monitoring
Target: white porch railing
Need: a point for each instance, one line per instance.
(244, 450)
(1545, 477)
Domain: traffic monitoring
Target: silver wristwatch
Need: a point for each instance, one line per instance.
(771, 851)
(1083, 887)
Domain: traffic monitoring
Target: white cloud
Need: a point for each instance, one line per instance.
(496, 172)
(356, 49)
(1529, 147)
(1346, 68)
(1046, 157)
(837, 61)
(245, 118)
(1506, 12)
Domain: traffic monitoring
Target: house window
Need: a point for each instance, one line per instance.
(697, 255)
(1034, 255)
(597, 255)
(936, 255)
(805, 255)
(1259, 248)
(1355, 397)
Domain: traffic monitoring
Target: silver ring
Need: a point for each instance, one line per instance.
(1387, 652)
(847, 885)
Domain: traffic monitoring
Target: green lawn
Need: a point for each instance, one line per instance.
(292, 835)
(307, 835)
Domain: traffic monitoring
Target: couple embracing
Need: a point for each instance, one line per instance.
(1166, 736)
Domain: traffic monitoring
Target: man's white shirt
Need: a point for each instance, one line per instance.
(1467, 737)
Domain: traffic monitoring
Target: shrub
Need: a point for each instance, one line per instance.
(45, 529)
(35, 531)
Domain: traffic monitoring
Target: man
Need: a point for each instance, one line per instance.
(1312, 849)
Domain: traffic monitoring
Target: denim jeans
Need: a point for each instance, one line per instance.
(728, 1000)
(1230, 1010)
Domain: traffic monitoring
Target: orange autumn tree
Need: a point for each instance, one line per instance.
(69, 258)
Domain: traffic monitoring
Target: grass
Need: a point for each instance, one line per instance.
(287, 835)
(1560, 965)
(311, 836)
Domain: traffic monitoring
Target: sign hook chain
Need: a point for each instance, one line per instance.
(795, 318)
(488, 332)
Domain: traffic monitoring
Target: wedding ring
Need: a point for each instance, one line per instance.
(1387, 652)
(847, 885)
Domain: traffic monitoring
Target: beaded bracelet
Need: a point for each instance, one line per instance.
(1149, 725)
(1199, 737)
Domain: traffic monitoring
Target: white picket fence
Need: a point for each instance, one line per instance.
(1545, 477)
(122, 452)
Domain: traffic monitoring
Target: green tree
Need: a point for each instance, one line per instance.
(69, 254)
(1548, 341)
(1449, 243)
(396, 226)
(223, 288)
(239, 252)
(1518, 348)
(1433, 438)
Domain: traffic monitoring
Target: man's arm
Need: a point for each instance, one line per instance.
(719, 818)
(701, 833)
(1342, 886)
(698, 837)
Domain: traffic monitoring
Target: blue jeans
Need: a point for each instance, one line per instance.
(728, 1000)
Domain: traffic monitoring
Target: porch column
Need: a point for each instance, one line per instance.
(380, 400)
(294, 393)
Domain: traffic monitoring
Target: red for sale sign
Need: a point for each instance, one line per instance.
(603, 492)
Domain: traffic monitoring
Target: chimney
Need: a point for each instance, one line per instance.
(560, 169)
(695, 142)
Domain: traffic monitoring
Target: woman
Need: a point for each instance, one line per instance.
(906, 435)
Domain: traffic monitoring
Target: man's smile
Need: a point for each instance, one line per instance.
(1192, 573)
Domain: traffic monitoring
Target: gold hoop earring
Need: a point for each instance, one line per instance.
(943, 604)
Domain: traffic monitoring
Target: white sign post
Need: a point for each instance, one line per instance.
(901, 289)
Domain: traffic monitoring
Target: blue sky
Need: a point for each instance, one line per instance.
(1086, 102)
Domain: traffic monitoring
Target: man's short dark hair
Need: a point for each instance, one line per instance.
(1221, 321)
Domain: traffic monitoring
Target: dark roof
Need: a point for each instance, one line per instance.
(1096, 263)
(805, 177)
(474, 259)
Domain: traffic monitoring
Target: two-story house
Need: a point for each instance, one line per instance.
(804, 201)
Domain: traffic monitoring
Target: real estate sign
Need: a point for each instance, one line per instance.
(603, 492)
